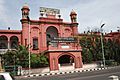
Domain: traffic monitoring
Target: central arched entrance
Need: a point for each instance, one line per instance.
(66, 62)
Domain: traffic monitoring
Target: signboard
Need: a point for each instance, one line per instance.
(63, 39)
(65, 46)
(49, 10)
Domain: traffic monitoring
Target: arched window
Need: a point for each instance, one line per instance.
(35, 43)
(3, 42)
(13, 42)
(51, 32)
(117, 40)
(109, 40)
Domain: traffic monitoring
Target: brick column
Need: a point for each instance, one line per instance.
(78, 61)
(53, 62)
(8, 46)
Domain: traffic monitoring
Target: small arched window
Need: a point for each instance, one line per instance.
(35, 43)
(3, 42)
(14, 42)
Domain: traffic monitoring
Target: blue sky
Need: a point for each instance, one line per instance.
(91, 13)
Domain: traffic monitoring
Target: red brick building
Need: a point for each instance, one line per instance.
(113, 36)
(48, 34)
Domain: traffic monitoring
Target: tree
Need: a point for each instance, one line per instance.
(35, 62)
(18, 56)
(91, 47)
(38, 60)
(22, 56)
(116, 49)
(86, 53)
(9, 58)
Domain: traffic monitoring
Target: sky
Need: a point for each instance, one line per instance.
(91, 14)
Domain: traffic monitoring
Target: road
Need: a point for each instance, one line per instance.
(92, 75)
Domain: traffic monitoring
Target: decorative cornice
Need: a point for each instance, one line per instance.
(65, 50)
(11, 31)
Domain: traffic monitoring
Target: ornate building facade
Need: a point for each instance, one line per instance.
(50, 34)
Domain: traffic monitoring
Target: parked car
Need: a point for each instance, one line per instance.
(6, 76)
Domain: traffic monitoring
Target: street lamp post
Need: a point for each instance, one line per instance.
(29, 43)
(102, 46)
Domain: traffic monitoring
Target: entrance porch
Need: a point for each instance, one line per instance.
(58, 60)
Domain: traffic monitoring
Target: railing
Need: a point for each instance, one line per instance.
(2, 51)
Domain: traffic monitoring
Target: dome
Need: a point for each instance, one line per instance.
(26, 6)
(73, 12)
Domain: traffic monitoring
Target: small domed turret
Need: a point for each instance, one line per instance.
(73, 16)
(73, 13)
(25, 11)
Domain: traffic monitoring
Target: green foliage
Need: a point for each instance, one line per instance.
(38, 60)
(22, 56)
(18, 56)
(87, 56)
(35, 60)
(92, 50)
(112, 50)
(9, 58)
